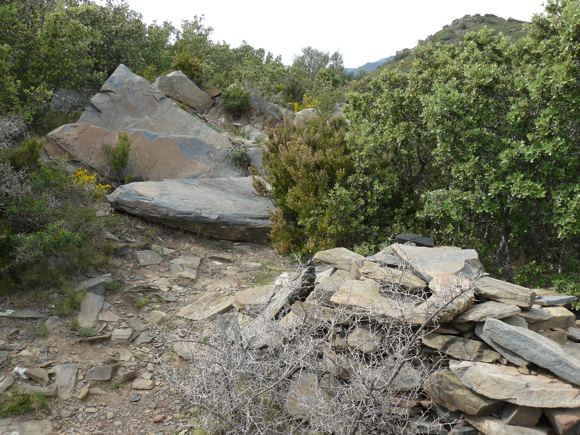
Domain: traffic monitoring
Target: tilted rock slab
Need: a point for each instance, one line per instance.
(504, 292)
(224, 208)
(179, 87)
(446, 260)
(166, 141)
(533, 347)
(461, 348)
(444, 388)
(508, 384)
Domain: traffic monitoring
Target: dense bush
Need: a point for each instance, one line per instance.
(49, 229)
(305, 164)
(236, 99)
(476, 144)
(189, 65)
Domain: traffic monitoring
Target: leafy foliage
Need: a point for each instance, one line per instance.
(236, 99)
(304, 164)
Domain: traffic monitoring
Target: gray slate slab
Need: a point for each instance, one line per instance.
(91, 306)
(535, 348)
(225, 208)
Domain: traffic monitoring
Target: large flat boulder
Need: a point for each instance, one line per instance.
(224, 208)
(153, 156)
(166, 141)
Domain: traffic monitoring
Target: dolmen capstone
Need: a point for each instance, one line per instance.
(169, 149)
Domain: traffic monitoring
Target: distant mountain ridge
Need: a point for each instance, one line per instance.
(451, 34)
(369, 66)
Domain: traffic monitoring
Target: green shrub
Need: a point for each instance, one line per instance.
(117, 158)
(236, 99)
(240, 155)
(25, 155)
(189, 65)
(306, 165)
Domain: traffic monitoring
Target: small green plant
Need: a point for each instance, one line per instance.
(70, 302)
(143, 302)
(116, 386)
(263, 277)
(87, 332)
(206, 339)
(240, 155)
(117, 158)
(43, 330)
(236, 99)
(240, 133)
(21, 402)
(224, 246)
(75, 325)
(111, 286)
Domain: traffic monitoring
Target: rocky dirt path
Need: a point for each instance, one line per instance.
(116, 381)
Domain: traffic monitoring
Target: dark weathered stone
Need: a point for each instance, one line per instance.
(414, 238)
(225, 208)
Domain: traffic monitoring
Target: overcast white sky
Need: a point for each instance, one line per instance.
(362, 30)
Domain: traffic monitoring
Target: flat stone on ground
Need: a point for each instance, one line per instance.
(121, 335)
(100, 373)
(148, 257)
(142, 384)
(66, 376)
(90, 308)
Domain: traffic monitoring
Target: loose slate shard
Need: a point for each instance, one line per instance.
(417, 240)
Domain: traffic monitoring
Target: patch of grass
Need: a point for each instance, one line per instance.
(70, 302)
(112, 286)
(87, 332)
(19, 403)
(143, 302)
(263, 277)
(43, 330)
(224, 246)
(116, 386)
(74, 324)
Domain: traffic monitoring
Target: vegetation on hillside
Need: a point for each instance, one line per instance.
(454, 32)
(476, 144)
(473, 139)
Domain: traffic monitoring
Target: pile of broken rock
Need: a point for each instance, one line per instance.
(504, 358)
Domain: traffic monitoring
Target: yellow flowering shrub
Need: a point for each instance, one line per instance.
(82, 178)
(307, 103)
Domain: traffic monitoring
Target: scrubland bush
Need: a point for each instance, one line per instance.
(49, 228)
(305, 164)
(236, 99)
(189, 65)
